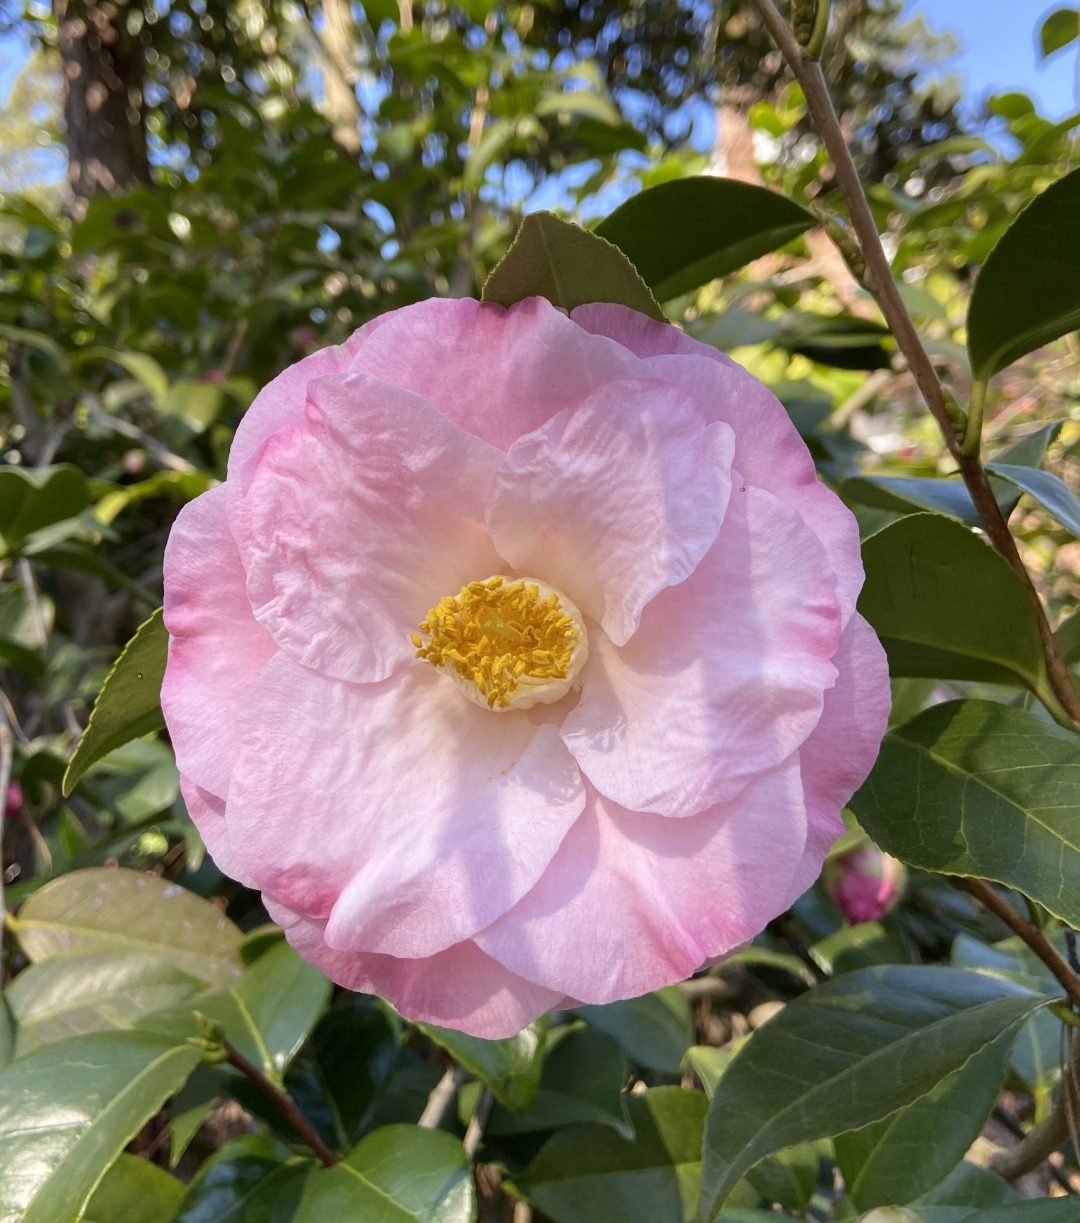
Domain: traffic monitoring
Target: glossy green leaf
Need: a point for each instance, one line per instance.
(1044, 1210)
(252, 1179)
(69, 1109)
(655, 1030)
(790, 1177)
(511, 1067)
(129, 704)
(587, 1173)
(1049, 490)
(398, 1174)
(978, 788)
(684, 233)
(34, 498)
(583, 1080)
(848, 1053)
(267, 1015)
(1059, 29)
(909, 494)
(94, 992)
(946, 606)
(111, 910)
(569, 266)
(966, 1190)
(1028, 293)
(134, 1191)
(1036, 1056)
(141, 366)
(906, 1154)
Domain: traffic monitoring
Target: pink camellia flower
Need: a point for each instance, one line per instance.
(516, 662)
(864, 884)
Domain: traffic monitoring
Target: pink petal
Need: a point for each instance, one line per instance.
(216, 647)
(405, 814)
(634, 901)
(358, 521)
(497, 373)
(614, 500)
(838, 756)
(281, 402)
(769, 452)
(725, 677)
(207, 813)
(460, 987)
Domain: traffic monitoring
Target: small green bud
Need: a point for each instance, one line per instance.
(210, 1028)
(802, 23)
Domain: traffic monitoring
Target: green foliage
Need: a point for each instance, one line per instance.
(130, 701)
(511, 1068)
(977, 788)
(682, 234)
(1059, 28)
(569, 266)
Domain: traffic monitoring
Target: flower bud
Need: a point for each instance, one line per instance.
(13, 801)
(864, 884)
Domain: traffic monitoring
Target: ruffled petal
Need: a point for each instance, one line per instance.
(497, 373)
(358, 521)
(408, 816)
(769, 452)
(633, 901)
(207, 813)
(614, 500)
(216, 646)
(460, 987)
(725, 677)
(838, 756)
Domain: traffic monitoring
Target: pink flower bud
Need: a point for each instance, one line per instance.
(134, 462)
(864, 884)
(213, 375)
(14, 800)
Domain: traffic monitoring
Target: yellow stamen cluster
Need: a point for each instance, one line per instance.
(510, 640)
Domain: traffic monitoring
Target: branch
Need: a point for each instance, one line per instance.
(1042, 1140)
(475, 1130)
(880, 282)
(1028, 931)
(439, 1100)
(285, 1104)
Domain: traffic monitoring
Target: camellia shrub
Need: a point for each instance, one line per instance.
(565, 779)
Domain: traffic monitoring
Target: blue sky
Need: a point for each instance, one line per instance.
(997, 40)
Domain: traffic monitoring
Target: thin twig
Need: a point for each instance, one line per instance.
(1017, 1130)
(879, 280)
(439, 1100)
(285, 1104)
(1028, 931)
(7, 755)
(475, 1130)
(1038, 1144)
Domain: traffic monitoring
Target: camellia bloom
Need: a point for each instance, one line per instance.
(516, 661)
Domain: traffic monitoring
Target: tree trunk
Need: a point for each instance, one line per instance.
(105, 127)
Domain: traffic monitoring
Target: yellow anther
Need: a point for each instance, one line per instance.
(507, 643)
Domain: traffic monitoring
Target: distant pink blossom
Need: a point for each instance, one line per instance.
(864, 884)
(487, 799)
(13, 800)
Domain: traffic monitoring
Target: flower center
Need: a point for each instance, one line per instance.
(507, 643)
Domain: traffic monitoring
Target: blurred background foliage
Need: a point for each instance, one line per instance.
(196, 194)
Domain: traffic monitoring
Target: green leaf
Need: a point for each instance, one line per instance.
(1058, 30)
(655, 1030)
(1045, 1210)
(1068, 637)
(511, 1067)
(1028, 293)
(69, 1109)
(109, 910)
(252, 1179)
(141, 366)
(398, 1174)
(709, 1064)
(129, 704)
(267, 1014)
(1049, 490)
(583, 1080)
(946, 606)
(684, 233)
(791, 1177)
(587, 1173)
(70, 995)
(134, 1191)
(33, 339)
(966, 1190)
(912, 1150)
(978, 788)
(34, 498)
(569, 266)
(909, 494)
(847, 1053)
